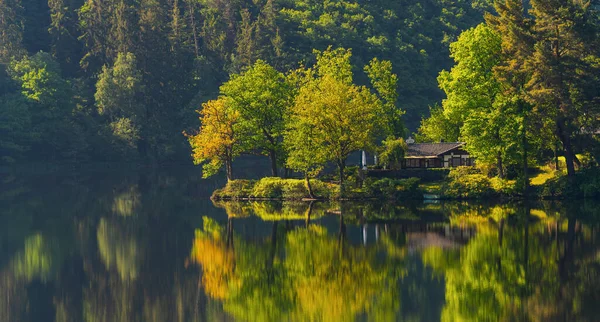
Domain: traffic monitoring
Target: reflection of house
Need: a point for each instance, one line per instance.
(436, 155)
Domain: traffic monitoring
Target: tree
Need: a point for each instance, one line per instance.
(438, 127)
(474, 99)
(385, 82)
(564, 68)
(393, 152)
(261, 96)
(217, 143)
(302, 156)
(11, 31)
(514, 29)
(50, 98)
(118, 94)
(342, 117)
(15, 128)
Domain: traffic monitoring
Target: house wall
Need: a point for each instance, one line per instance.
(457, 159)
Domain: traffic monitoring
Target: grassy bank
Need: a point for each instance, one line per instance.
(461, 183)
(295, 189)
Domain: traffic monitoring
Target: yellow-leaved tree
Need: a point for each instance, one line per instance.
(332, 117)
(216, 144)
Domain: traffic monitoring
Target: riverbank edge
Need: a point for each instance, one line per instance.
(586, 184)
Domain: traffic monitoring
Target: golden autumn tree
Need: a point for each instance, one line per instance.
(216, 144)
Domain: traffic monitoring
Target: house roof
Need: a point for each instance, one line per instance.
(429, 150)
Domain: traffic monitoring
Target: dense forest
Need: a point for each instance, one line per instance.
(121, 79)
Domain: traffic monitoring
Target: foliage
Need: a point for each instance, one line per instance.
(438, 127)
(585, 184)
(385, 82)
(275, 188)
(260, 95)
(234, 189)
(217, 143)
(396, 189)
(332, 113)
(468, 187)
(279, 188)
(393, 151)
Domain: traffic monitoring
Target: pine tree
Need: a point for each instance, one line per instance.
(514, 29)
(563, 68)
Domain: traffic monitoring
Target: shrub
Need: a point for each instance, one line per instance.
(468, 186)
(504, 187)
(462, 171)
(269, 187)
(585, 184)
(393, 152)
(234, 189)
(294, 189)
(388, 188)
(326, 190)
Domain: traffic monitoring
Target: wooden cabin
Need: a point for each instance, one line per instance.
(436, 155)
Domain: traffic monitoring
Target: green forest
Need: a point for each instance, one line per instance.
(125, 81)
(88, 80)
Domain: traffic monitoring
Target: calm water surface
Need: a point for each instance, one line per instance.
(151, 246)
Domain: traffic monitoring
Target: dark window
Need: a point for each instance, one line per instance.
(456, 161)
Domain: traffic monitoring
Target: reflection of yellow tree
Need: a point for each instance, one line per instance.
(320, 278)
(217, 259)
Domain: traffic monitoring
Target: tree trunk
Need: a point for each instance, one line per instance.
(194, 31)
(525, 147)
(309, 213)
(273, 157)
(499, 165)
(567, 148)
(229, 170)
(341, 167)
(556, 163)
(309, 187)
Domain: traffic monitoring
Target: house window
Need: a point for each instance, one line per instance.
(456, 161)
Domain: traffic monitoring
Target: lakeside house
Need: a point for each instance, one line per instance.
(436, 155)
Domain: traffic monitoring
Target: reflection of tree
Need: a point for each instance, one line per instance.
(211, 250)
(302, 274)
(336, 282)
(269, 211)
(35, 261)
(512, 271)
(118, 249)
(126, 202)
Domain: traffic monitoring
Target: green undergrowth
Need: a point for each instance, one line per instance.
(295, 189)
(470, 183)
(461, 183)
(584, 184)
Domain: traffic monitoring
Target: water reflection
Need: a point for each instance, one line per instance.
(152, 247)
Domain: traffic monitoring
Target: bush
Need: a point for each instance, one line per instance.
(462, 171)
(278, 188)
(234, 189)
(269, 187)
(504, 187)
(325, 190)
(585, 184)
(468, 186)
(388, 188)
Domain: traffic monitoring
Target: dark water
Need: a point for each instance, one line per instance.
(150, 246)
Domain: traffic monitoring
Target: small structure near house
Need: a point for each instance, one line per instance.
(436, 155)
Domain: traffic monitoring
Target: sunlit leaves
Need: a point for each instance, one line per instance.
(217, 143)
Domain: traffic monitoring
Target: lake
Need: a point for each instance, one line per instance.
(150, 246)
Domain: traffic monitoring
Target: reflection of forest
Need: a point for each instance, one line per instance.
(120, 251)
